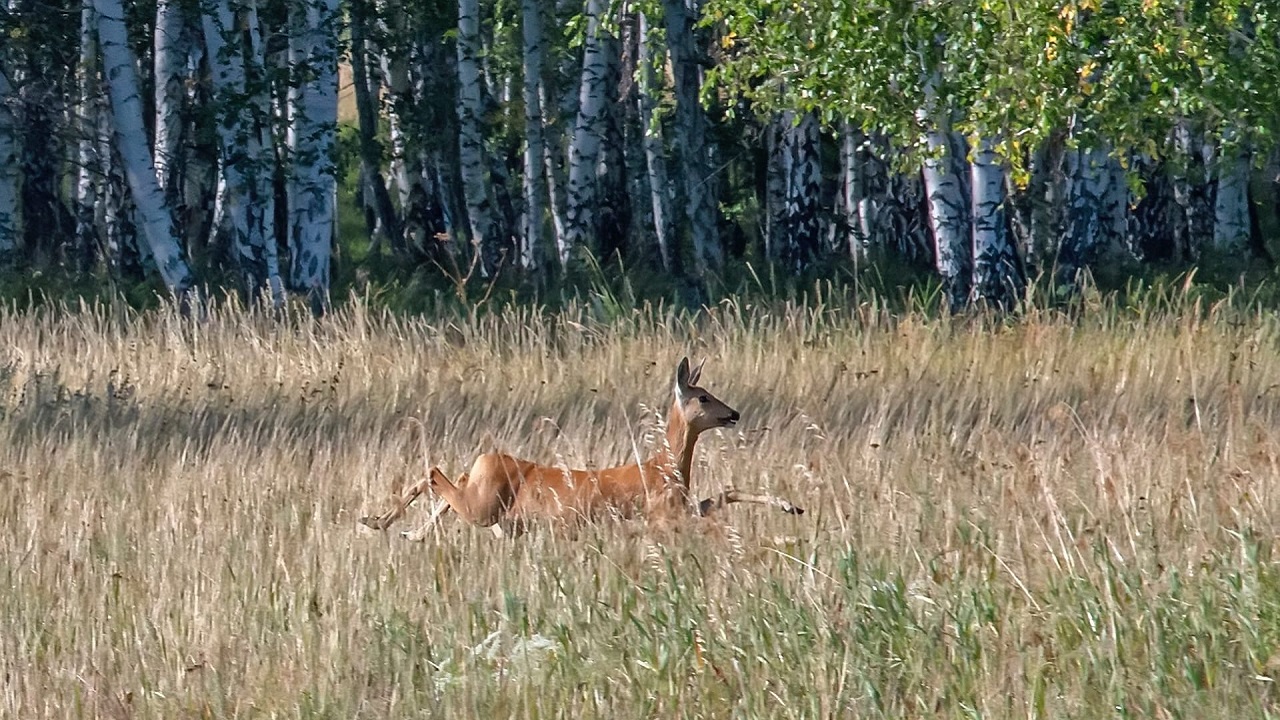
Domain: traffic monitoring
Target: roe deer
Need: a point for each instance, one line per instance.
(505, 491)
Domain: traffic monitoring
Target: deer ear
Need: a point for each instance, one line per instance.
(696, 374)
(682, 379)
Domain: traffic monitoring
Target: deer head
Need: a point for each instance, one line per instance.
(700, 409)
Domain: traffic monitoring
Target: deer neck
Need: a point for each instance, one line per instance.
(674, 458)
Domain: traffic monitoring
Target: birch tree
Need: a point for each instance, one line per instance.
(1231, 227)
(997, 272)
(799, 240)
(690, 137)
(650, 58)
(584, 146)
(89, 167)
(313, 117)
(10, 227)
(170, 51)
(365, 90)
(245, 141)
(119, 68)
(535, 181)
(471, 152)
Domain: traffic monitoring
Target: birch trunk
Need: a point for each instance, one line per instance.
(170, 53)
(1094, 225)
(691, 137)
(584, 147)
(650, 59)
(997, 275)
(10, 222)
(948, 218)
(313, 119)
(535, 180)
(387, 225)
(853, 193)
(801, 233)
(131, 140)
(114, 213)
(775, 188)
(1231, 228)
(89, 167)
(1193, 192)
(248, 197)
(407, 170)
(471, 152)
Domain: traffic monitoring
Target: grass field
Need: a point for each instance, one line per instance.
(1046, 517)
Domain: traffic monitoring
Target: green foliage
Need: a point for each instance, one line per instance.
(1125, 69)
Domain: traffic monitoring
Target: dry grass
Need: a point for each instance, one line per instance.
(1049, 518)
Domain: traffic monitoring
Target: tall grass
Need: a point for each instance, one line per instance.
(1048, 517)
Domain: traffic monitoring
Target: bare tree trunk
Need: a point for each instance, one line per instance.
(10, 222)
(248, 197)
(949, 217)
(1193, 192)
(997, 273)
(1231, 227)
(650, 60)
(157, 220)
(388, 223)
(799, 240)
(89, 168)
(691, 138)
(532, 249)
(584, 147)
(471, 151)
(171, 51)
(313, 117)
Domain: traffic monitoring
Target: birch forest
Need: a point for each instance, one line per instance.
(312, 148)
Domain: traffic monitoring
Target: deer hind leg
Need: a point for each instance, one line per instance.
(383, 521)
(481, 498)
(730, 496)
(420, 534)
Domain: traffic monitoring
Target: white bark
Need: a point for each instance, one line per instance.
(853, 191)
(584, 147)
(775, 187)
(1191, 191)
(997, 278)
(377, 196)
(535, 185)
(804, 174)
(691, 137)
(649, 63)
(131, 140)
(1096, 195)
(1231, 227)
(248, 198)
(170, 52)
(407, 170)
(948, 217)
(313, 118)
(10, 223)
(471, 152)
(89, 168)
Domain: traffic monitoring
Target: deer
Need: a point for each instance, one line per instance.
(504, 493)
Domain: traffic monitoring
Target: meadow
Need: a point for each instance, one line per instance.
(1066, 515)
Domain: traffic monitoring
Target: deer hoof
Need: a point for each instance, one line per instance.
(375, 522)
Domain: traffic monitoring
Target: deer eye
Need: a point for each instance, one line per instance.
(703, 398)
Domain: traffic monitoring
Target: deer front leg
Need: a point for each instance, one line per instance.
(730, 496)
(383, 521)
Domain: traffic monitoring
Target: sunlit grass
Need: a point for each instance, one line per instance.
(1045, 517)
